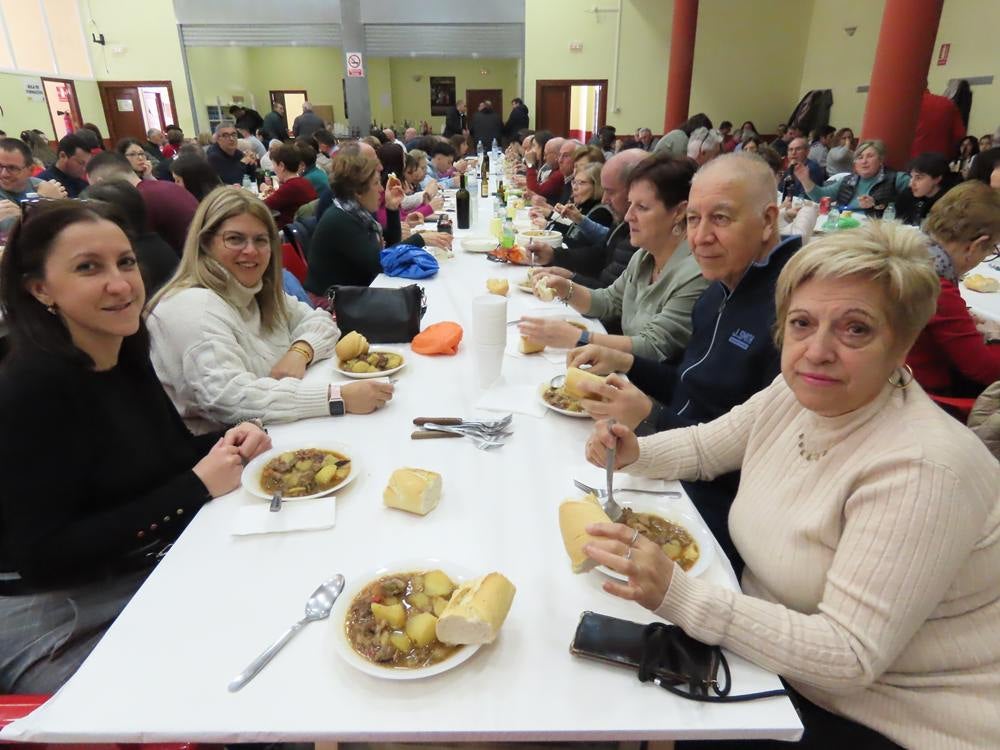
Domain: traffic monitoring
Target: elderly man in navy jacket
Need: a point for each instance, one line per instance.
(732, 221)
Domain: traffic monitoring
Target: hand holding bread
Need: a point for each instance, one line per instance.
(601, 359)
(647, 566)
(616, 398)
(549, 331)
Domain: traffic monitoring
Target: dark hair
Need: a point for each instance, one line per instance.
(458, 140)
(28, 248)
(111, 160)
(175, 137)
(969, 139)
(13, 144)
(199, 177)
(542, 137)
(517, 100)
(753, 139)
(826, 130)
(694, 122)
(307, 154)
(235, 109)
(725, 124)
(70, 143)
(445, 149)
(307, 140)
(670, 176)
(96, 131)
(774, 160)
(192, 149)
(379, 135)
(393, 160)
(124, 199)
(930, 163)
(750, 123)
(325, 137)
(122, 146)
(350, 175)
(984, 164)
(288, 155)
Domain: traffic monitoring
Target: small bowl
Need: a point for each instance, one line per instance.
(548, 236)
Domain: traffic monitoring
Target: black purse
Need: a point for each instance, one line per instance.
(383, 316)
(663, 654)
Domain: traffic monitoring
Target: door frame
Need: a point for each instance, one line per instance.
(272, 92)
(74, 103)
(103, 87)
(602, 105)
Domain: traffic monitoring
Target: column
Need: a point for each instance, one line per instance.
(352, 34)
(899, 76)
(682, 37)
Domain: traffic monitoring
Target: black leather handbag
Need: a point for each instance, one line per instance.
(383, 316)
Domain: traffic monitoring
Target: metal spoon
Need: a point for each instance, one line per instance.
(317, 608)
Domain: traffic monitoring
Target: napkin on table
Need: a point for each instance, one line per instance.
(295, 515)
(523, 399)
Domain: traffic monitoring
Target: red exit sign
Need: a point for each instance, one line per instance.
(943, 54)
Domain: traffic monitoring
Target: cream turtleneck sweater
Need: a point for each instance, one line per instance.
(872, 578)
(214, 358)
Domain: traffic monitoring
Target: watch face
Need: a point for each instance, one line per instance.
(337, 408)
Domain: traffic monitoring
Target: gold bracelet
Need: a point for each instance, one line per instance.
(298, 348)
(569, 294)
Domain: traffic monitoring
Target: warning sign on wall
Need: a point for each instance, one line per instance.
(943, 54)
(355, 65)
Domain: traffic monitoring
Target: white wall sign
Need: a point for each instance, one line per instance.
(355, 65)
(33, 89)
(125, 105)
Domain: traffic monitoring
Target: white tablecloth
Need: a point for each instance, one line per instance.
(217, 600)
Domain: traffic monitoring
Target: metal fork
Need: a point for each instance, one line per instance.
(600, 494)
(613, 509)
(481, 441)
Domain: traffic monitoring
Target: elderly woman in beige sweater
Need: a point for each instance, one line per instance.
(868, 518)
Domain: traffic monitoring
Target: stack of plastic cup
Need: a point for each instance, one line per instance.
(489, 336)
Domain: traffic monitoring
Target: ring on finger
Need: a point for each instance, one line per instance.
(635, 538)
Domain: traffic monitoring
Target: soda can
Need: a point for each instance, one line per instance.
(824, 206)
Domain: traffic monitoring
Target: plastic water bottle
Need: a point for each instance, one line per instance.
(890, 213)
(479, 151)
(507, 238)
(832, 220)
(249, 185)
(494, 148)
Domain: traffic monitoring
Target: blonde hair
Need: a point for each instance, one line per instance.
(199, 270)
(890, 254)
(874, 144)
(592, 172)
(965, 213)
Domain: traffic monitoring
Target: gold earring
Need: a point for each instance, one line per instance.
(904, 376)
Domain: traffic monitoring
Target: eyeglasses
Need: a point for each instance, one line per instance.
(995, 255)
(581, 183)
(237, 241)
(136, 154)
(11, 168)
(225, 135)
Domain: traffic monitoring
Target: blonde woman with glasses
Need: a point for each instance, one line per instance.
(228, 343)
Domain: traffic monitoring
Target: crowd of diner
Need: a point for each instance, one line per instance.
(803, 389)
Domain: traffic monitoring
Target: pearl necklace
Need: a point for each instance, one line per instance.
(807, 454)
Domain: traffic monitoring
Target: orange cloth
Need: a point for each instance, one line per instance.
(440, 338)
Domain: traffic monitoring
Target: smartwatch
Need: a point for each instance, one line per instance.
(584, 339)
(336, 403)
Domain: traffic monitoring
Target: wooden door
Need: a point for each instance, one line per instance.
(473, 97)
(64, 109)
(123, 111)
(552, 108)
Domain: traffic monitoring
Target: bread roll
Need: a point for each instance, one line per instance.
(979, 283)
(574, 517)
(544, 292)
(476, 611)
(575, 376)
(498, 286)
(413, 490)
(350, 346)
(527, 346)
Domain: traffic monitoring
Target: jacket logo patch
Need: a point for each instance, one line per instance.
(741, 338)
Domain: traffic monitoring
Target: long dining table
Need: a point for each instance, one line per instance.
(216, 599)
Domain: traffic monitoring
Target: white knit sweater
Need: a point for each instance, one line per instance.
(214, 358)
(872, 578)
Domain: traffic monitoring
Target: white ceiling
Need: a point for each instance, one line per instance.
(255, 12)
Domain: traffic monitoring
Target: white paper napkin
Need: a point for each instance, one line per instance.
(523, 399)
(295, 515)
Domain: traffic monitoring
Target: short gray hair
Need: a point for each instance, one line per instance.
(703, 140)
(227, 123)
(874, 144)
(894, 256)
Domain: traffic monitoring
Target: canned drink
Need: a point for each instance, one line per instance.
(824, 206)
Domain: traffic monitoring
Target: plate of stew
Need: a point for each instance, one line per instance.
(301, 472)
(682, 535)
(385, 618)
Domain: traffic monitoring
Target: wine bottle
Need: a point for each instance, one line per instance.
(484, 179)
(462, 204)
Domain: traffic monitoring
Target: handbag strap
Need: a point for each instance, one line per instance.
(657, 639)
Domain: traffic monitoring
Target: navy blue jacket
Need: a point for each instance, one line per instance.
(731, 356)
(74, 185)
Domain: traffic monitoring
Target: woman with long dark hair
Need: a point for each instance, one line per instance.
(195, 174)
(100, 474)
